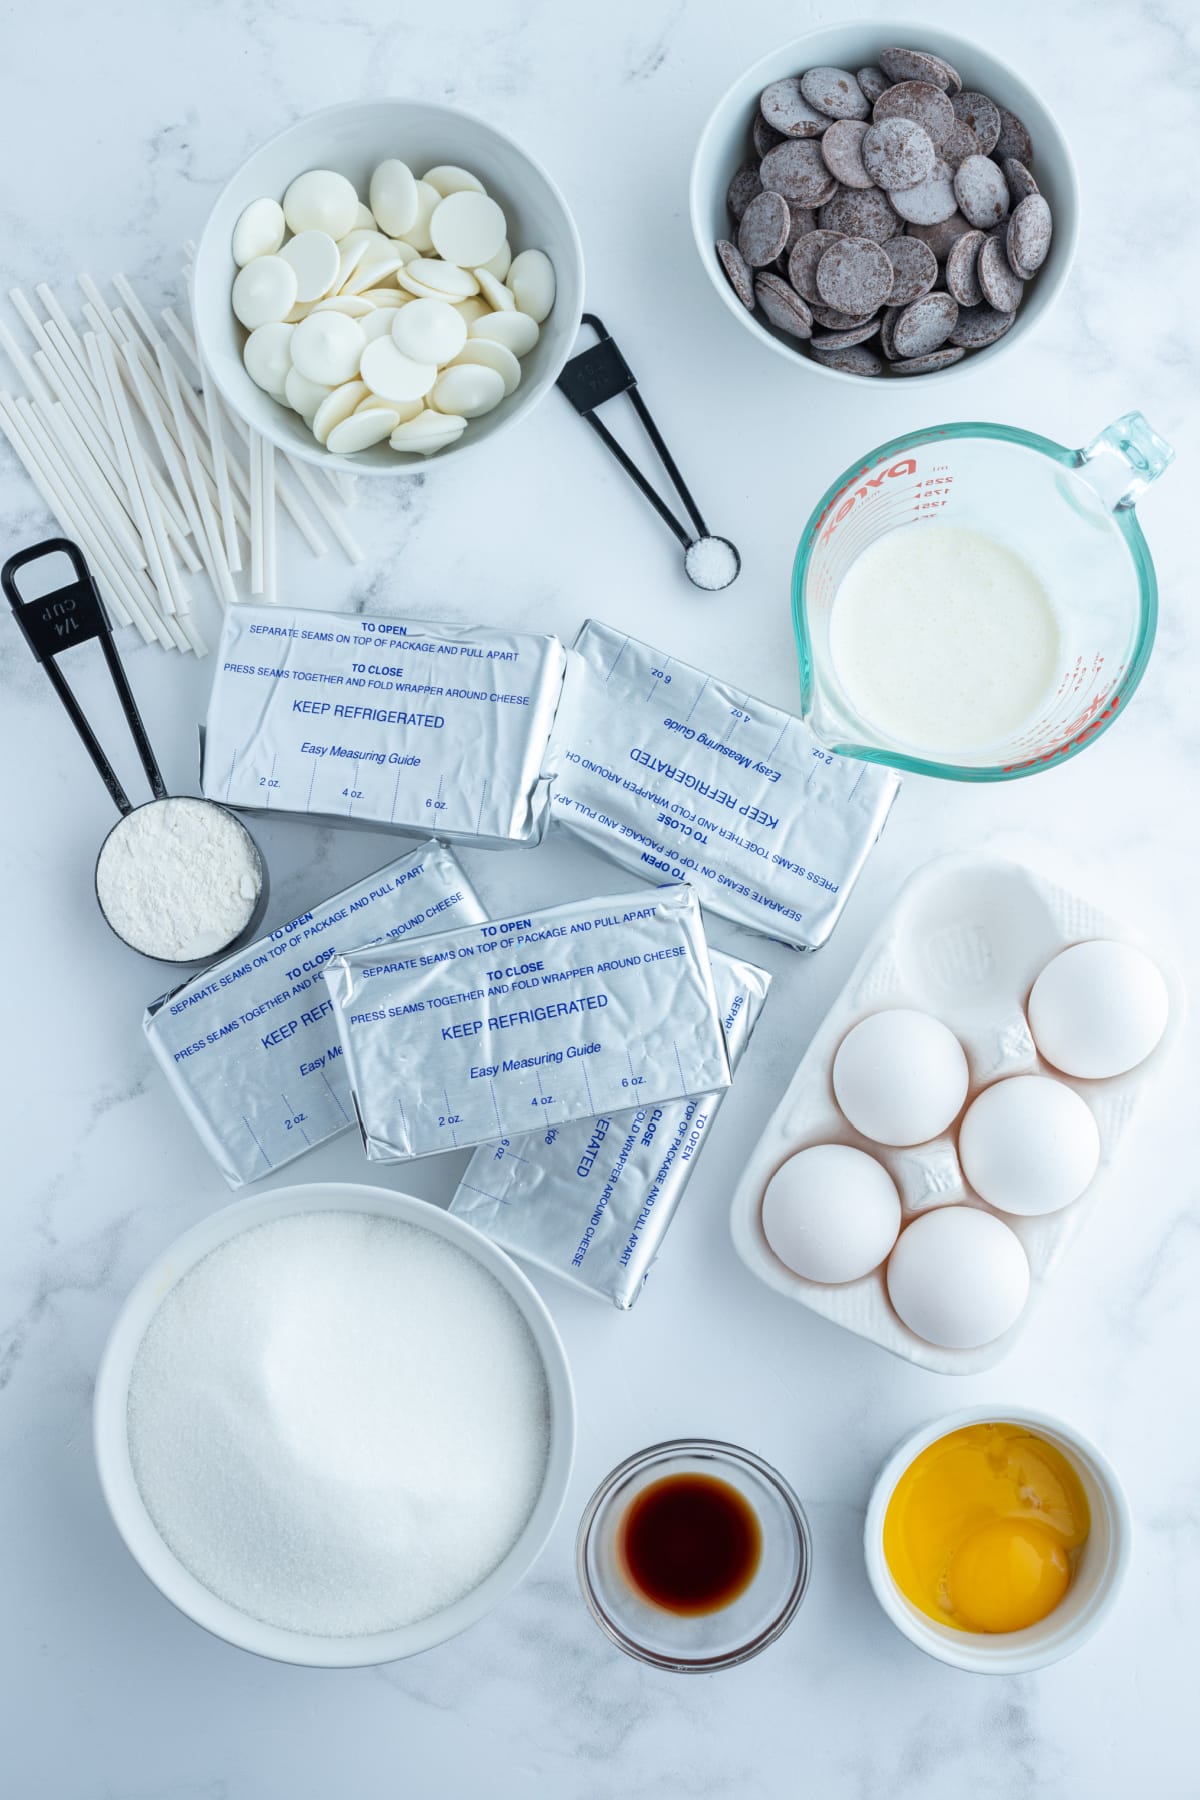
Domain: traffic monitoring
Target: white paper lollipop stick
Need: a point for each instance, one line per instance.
(137, 594)
(64, 476)
(216, 560)
(291, 502)
(183, 621)
(103, 362)
(124, 606)
(62, 504)
(181, 446)
(33, 381)
(164, 443)
(131, 343)
(257, 551)
(29, 318)
(104, 325)
(220, 462)
(328, 511)
(98, 447)
(138, 576)
(60, 317)
(270, 567)
(205, 526)
(79, 459)
(132, 347)
(88, 415)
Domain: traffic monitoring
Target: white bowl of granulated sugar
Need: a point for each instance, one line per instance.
(334, 1425)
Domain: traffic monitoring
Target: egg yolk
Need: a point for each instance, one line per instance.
(985, 1528)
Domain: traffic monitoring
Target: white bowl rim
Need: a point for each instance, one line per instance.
(316, 454)
(894, 31)
(133, 1522)
(1002, 1653)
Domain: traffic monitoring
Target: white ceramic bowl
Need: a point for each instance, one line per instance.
(129, 1511)
(1088, 1600)
(725, 144)
(353, 139)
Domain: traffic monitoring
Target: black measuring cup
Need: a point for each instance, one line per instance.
(74, 614)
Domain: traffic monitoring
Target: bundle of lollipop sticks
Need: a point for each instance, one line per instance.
(131, 447)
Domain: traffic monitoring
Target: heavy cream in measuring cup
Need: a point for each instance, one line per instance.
(944, 639)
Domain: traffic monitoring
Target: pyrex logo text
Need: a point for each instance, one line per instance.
(905, 467)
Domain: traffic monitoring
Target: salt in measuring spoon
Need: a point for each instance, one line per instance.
(600, 374)
(72, 614)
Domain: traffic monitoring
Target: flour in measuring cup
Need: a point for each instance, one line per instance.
(178, 879)
(944, 639)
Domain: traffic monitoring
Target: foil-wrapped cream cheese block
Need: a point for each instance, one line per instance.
(590, 1201)
(477, 1033)
(394, 723)
(671, 771)
(250, 1046)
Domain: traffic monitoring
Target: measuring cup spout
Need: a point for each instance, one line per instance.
(1123, 460)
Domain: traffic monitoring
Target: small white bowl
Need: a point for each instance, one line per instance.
(128, 1509)
(353, 139)
(725, 144)
(1089, 1599)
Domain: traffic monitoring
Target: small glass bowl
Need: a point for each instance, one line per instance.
(707, 1641)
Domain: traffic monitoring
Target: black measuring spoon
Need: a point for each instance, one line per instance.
(600, 374)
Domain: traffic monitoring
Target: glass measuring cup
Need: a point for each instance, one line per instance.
(1068, 513)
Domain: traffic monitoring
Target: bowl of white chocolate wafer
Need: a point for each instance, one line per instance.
(387, 281)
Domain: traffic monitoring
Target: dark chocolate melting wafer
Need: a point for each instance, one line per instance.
(896, 154)
(741, 277)
(783, 305)
(796, 169)
(980, 326)
(926, 106)
(981, 191)
(842, 149)
(855, 276)
(920, 65)
(1002, 288)
(1028, 238)
(981, 114)
(914, 269)
(764, 228)
(835, 91)
(925, 325)
(853, 360)
(962, 274)
(785, 109)
(856, 213)
(742, 189)
(925, 365)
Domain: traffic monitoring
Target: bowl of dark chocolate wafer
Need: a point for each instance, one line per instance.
(884, 199)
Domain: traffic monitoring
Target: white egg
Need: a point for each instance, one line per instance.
(831, 1213)
(958, 1277)
(900, 1077)
(1098, 1009)
(1029, 1145)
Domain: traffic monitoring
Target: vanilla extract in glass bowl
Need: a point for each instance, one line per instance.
(693, 1555)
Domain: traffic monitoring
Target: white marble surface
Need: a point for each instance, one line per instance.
(118, 124)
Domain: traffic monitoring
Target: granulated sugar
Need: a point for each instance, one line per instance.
(178, 879)
(338, 1423)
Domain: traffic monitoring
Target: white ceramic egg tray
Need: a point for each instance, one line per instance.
(965, 941)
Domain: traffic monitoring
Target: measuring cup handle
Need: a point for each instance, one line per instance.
(56, 621)
(1124, 459)
(69, 615)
